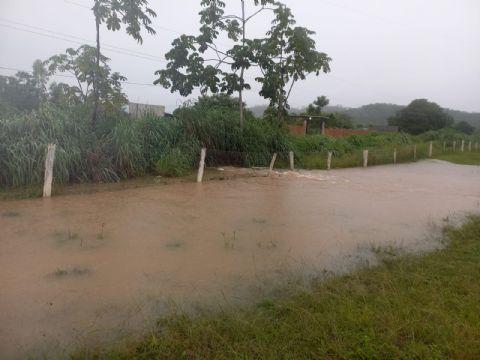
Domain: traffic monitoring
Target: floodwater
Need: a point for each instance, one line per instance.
(78, 268)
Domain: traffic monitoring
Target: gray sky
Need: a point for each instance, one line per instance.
(383, 51)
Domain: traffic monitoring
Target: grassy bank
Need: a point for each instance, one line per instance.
(463, 158)
(409, 307)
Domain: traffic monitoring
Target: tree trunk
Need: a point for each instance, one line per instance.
(242, 71)
(95, 76)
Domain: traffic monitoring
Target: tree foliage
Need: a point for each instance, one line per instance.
(82, 64)
(24, 91)
(285, 55)
(317, 106)
(421, 116)
(135, 15)
(464, 127)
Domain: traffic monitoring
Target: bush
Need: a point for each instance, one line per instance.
(173, 163)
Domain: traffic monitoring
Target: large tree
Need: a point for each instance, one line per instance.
(202, 62)
(421, 116)
(287, 55)
(135, 15)
(94, 84)
(318, 105)
(24, 91)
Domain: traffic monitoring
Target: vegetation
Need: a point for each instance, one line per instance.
(286, 55)
(421, 116)
(134, 15)
(465, 158)
(408, 307)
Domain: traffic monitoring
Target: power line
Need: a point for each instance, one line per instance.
(73, 77)
(159, 58)
(81, 43)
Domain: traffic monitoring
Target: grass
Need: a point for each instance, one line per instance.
(76, 271)
(463, 158)
(11, 214)
(409, 307)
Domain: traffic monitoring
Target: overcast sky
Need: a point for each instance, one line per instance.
(383, 50)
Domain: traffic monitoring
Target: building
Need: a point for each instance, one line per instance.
(137, 110)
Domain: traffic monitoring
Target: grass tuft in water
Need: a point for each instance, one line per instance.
(75, 271)
(11, 214)
(229, 241)
(175, 244)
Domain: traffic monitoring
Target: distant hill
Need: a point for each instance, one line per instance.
(377, 114)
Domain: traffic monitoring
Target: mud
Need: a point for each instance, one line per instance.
(78, 268)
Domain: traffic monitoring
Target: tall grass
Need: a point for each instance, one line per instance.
(122, 147)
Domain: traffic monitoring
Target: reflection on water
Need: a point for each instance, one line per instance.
(76, 267)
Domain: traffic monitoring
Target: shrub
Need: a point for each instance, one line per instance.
(174, 162)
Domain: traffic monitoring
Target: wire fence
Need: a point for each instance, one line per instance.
(391, 154)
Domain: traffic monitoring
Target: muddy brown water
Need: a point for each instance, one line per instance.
(79, 268)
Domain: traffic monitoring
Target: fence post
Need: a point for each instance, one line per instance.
(415, 152)
(395, 156)
(329, 160)
(365, 158)
(469, 146)
(49, 161)
(454, 146)
(444, 146)
(476, 145)
(462, 149)
(201, 165)
(292, 160)
(272, 163)
(430, 149)
(323, 127)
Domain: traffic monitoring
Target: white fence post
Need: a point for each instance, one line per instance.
(444, 146)
(272, 163)
(394, 156)
(201, 165)
(454, 146)
(292, 160)
(462, 149)
(430, 149)
(415, 152)
(49, 161)
(329, 160)
(365, 158)
(476, 145)
(469, 146)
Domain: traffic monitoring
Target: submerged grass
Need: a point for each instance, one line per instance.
(409, 307)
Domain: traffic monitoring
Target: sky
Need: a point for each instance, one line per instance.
(388, 51)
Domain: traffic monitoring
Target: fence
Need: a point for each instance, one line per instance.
(325, 160)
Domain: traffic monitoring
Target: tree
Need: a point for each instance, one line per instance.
(421, 116)
(199, 61)
(134, 14)
(94, 83)
(24, 91)
(464, 127)
(318, 105)
(286, 56)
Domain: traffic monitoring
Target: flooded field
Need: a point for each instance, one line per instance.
(78, 268)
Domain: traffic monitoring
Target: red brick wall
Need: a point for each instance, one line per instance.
(298, 130)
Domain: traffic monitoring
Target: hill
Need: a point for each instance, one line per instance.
(377, 114)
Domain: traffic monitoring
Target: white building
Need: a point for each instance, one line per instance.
(137, 110)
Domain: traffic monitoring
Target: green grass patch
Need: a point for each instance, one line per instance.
(463, 158)
(411, 307)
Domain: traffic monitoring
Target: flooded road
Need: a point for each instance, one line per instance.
(78, 268)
